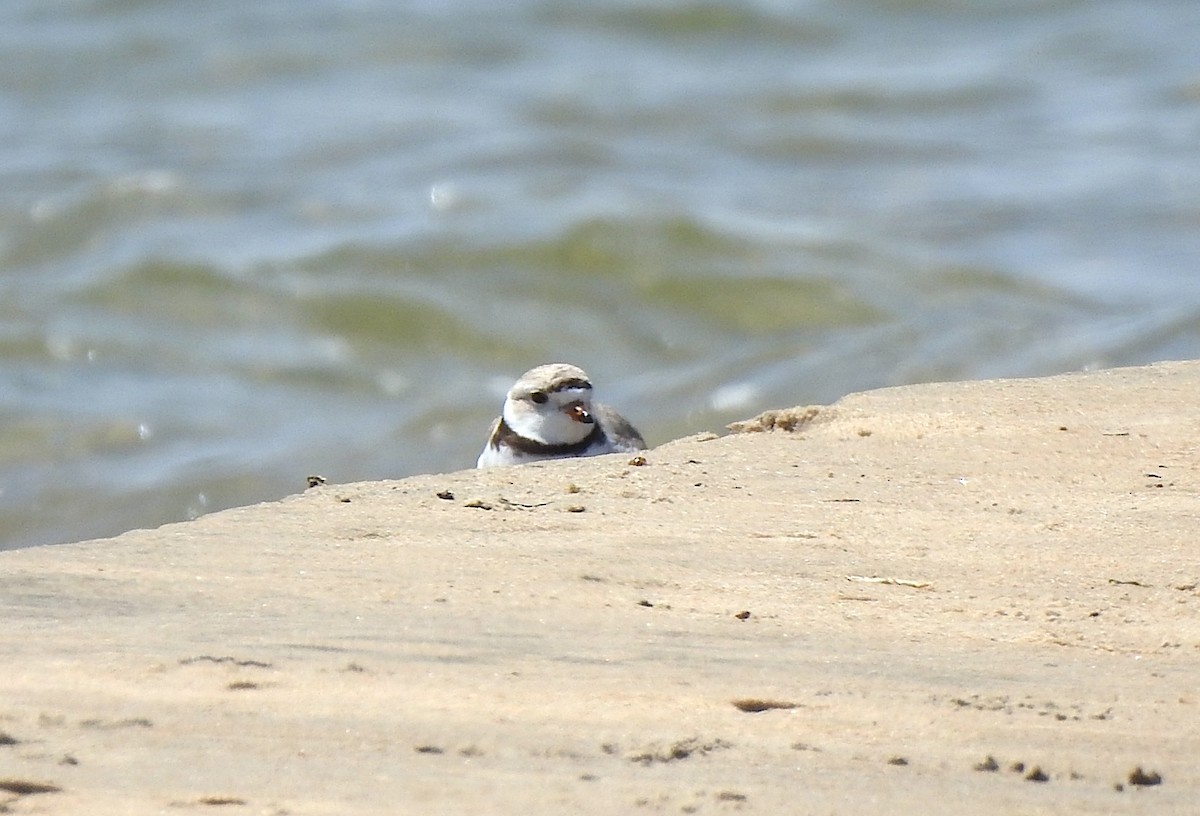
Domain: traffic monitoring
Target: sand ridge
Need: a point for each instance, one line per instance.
(960, 598)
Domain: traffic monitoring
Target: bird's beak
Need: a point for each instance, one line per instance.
(579, 413)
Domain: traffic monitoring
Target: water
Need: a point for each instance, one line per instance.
(245, 242)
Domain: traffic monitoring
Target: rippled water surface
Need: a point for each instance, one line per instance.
(245, 242)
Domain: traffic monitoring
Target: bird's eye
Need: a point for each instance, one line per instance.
(539, 397)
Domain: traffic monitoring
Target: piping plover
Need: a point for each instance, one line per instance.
(549, 414)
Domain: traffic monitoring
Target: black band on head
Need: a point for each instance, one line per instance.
(572, 383)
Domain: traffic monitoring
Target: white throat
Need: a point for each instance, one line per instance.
(549, 423)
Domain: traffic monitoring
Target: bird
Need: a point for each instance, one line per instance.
(549, 414)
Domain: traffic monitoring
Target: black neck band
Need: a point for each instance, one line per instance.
(505, 435)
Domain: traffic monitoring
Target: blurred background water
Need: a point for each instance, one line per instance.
(245, 242)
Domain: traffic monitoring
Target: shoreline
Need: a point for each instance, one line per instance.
(895, 601)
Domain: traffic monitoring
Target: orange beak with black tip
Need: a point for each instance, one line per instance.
(578, 412)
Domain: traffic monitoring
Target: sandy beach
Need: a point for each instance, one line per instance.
(967, 598)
